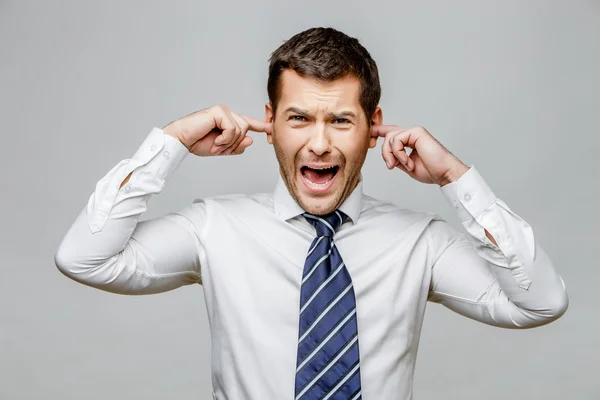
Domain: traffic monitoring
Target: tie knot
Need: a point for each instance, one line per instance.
(326, 225)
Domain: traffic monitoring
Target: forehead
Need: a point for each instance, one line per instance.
(307, 92)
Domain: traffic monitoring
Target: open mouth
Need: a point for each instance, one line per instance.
(319, 176)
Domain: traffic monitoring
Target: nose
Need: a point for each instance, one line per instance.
(319, 141)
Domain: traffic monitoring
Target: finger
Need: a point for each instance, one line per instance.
(408, 138)
(237, 131)
(387, 153)
(398, 149)
(208, 142)
(403, 168)
(243, 124)
(244, 144)
(382, 130)
(257, 125)
(226, 124)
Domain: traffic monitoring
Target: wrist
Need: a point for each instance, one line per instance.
(173, 130)
(453, 174)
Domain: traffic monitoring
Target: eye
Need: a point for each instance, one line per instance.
(341, 121)
(297, 118)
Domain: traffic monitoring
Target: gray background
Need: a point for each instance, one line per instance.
(510, 87)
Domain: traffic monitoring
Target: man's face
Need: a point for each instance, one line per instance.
(321, 136)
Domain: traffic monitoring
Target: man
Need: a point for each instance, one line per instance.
(315, 291)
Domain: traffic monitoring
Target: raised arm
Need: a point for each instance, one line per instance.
(512, 283)
(107, 248)
(497, 273)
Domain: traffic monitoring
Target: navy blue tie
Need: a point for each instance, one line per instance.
(327, 365)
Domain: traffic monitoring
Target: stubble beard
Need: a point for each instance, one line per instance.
(288, 173)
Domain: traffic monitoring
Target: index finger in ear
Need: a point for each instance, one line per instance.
(382, 130)
(257, 125)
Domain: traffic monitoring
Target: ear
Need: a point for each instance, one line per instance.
(376, 119)
(269, 118)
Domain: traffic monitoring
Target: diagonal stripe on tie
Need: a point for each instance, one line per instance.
(335, 303)
(328, 357)
(342, 381)
(320, 287)
(319, 258)
(333, 362)
(323, 290)
(356, 395)
(327, 339)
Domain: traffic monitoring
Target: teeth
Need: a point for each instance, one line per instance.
(317, 184)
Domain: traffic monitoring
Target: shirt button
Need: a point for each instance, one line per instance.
(153, 147)
(127, 188)
(166, 154)
(468, 196)
(455, 203)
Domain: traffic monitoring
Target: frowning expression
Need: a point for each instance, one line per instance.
(321, 137)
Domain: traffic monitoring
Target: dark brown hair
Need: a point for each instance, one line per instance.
(326, 54)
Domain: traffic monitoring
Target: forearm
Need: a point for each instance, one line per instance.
(94, 250)
(503, 276)
(524, 271)
(172, 144)
(453, 176)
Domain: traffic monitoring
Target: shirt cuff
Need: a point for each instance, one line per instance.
(469, 195)
(159, 154)
(172, 153)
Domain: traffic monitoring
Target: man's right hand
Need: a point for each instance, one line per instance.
(215, 131)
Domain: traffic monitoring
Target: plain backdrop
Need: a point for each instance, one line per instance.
(508, 86)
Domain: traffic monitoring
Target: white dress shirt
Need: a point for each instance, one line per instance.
(248, 252)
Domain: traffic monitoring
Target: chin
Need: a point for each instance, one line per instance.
(317, 206)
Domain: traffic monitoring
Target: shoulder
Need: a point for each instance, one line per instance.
(224, 209)
(377, 208)
(386, 216)
(438, 232)
(236, 203)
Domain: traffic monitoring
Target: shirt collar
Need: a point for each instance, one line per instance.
(286, 207)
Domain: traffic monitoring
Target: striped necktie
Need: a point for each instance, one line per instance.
(327, 365)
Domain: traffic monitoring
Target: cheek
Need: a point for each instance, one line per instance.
(353, 150)
(287, 144)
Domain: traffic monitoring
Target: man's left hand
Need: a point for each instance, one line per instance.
(428, 162)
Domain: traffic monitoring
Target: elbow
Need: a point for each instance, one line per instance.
(70, 264)
(106, 275)
(559, 303)
(64, 262)
(555, 307)
(552, 309)
(77, 269)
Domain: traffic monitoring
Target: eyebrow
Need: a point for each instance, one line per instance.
(306, 113)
